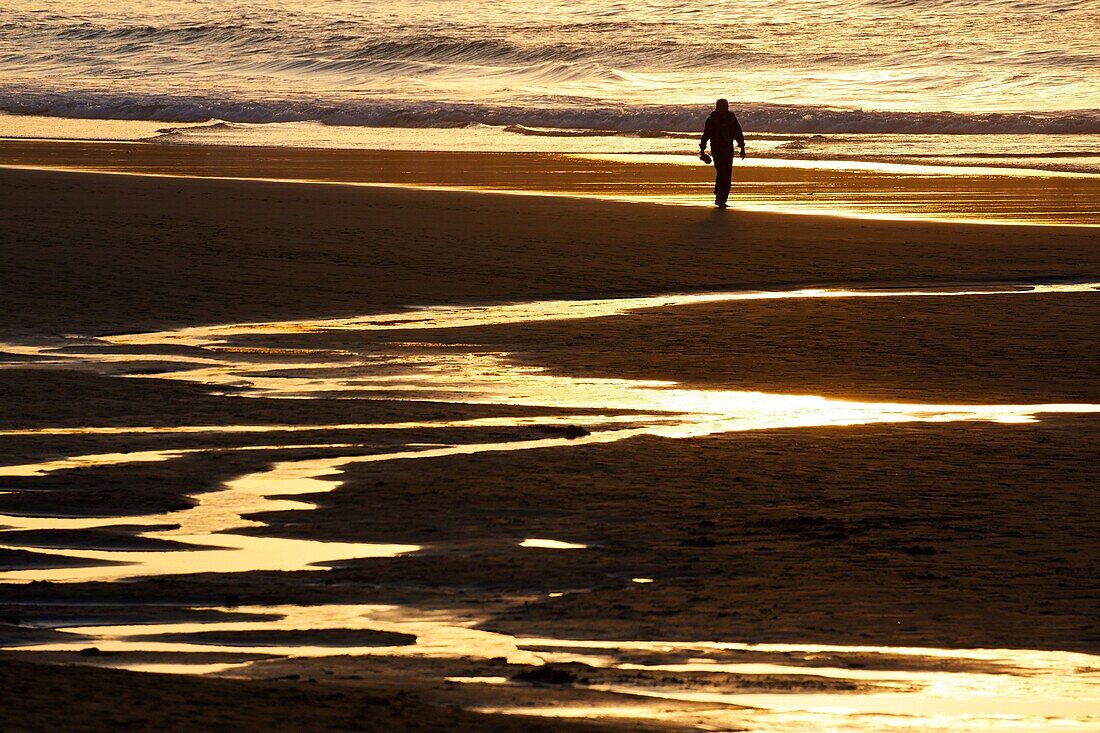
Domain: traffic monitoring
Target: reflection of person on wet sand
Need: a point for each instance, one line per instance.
(721, 129)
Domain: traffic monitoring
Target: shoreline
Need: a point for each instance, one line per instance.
(911, 164)
(557, 194)
(852, 190)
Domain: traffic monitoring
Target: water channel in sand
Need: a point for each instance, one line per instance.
(876, 687)
(1067, 685)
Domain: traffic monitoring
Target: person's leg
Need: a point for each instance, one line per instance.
(723, 178)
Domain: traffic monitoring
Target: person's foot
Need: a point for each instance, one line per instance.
(721, 205)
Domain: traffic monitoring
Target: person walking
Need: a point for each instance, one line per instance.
(722, 129)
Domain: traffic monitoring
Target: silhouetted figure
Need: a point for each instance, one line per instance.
(722, 129)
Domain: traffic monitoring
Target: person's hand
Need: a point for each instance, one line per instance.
(742, 152)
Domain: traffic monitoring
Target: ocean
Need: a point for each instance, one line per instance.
(1015, 83)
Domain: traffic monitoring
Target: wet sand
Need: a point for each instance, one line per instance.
(858, 189)
(961, 535)
(196, 251)
(988, 349)
(84, 699)
(955, 535)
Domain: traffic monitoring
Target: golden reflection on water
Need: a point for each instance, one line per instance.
(975, 689)
(544, 544)
(438, 634)
(208, 527)
(438, 317)
(88, 461)
(1026, 690)
(825, 164)
(218, 553)
(473, 422)
(966, 192)
(619, 409)
(169, 668)
(671, 410)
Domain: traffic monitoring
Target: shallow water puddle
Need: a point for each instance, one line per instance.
(208, 526)
(1006, 689)
(89, 461)
(547, 310)
(887, 688)
(474, 422)
(974, 690)
(436, 634)
(213, 521)
(621, 409)
(544, 544)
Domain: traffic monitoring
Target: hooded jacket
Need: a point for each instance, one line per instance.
(722, 129)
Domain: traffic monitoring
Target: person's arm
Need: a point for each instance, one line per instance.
(706, 136)
(739, 135)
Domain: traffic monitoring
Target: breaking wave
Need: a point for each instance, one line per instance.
(551, 121)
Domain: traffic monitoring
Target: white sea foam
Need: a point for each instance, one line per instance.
(571, 121)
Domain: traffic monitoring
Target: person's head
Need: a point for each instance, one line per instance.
(722, 105)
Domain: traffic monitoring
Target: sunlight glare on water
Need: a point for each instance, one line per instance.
(908, 688)
(919, 689)
(463, 316)
(622, 408)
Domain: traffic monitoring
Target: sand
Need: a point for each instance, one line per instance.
(854, 188)
(94, 254)
(992, 349)
(83, 699)
(954, 535)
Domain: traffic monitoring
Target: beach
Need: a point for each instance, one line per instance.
(944, 191)
(400, 367)
(560, 430)
(482, 244)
